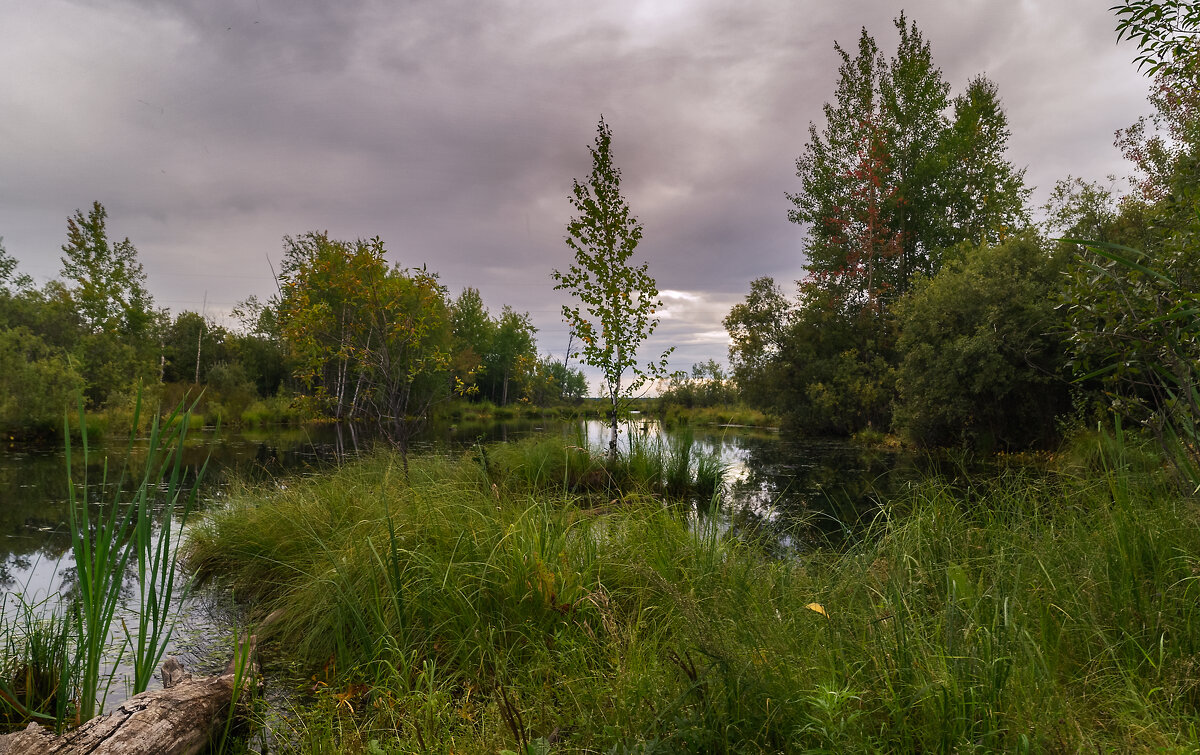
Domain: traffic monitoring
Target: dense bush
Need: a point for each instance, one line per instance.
(984, 359)
(37, 383)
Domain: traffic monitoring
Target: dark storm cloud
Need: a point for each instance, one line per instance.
(454, 129)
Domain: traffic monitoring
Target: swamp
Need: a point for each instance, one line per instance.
(935, 489)
(511, 592)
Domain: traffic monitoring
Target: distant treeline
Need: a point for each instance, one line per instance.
(345, 334)
(933, 305)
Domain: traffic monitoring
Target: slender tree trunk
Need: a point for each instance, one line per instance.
(199, 338)
(340, 388)
(612, 439)
(566, 364)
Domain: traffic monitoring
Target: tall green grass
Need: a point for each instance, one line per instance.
(136, 528)
(476, 611)
(34, 658)
(66, 653)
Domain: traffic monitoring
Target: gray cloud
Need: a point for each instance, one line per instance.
(454, 129)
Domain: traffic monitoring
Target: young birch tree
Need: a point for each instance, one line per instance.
(616, 300)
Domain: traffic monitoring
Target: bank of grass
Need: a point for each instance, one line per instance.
(461, 410)
(674, 415)
(475, 607)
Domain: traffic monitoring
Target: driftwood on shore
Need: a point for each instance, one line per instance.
(180, 719)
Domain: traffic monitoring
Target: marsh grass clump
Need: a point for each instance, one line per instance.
(35, 683)
(463, 608)
(649, 467)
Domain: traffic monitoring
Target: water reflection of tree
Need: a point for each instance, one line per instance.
(799, 494)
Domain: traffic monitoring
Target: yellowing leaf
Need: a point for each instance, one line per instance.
(818, 608)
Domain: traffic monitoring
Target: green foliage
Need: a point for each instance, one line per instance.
(258, 346)
(757, 330)
(822, 368)
(474, 332)
(491, 356)
(984, 360)
(839, 371)
(8, 272)
(1165, 32)
(1139, 329)
(229, 392)
(191, 346)
(549, 381)
(368, 340)
(513, 354)
(1133, 313)
(46, 312)
(899, 176)
(984, 195)
(36, 382)
(892, 181)
(109, 286)
(706, 386)
(617, 300)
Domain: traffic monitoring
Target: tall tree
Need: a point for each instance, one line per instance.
(107, 282)
(914, 97)
(474, 332)
(406, 353)
(323, 303)
(984, 194)
(891, 181)
(757, 328)
(617, 300)
(513, 351)
(832, 197)
(898, 175)
(106, 286)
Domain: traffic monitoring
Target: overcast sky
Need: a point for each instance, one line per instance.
(453, 129)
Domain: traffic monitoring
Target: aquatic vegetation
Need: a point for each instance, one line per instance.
(59, 660)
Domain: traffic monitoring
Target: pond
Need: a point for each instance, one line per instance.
(791, 494)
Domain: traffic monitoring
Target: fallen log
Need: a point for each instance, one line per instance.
(180, 719)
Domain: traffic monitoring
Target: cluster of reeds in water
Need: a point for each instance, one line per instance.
(500, 600)
(651, 466)
(61, 651)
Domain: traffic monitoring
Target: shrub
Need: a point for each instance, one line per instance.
(983, 353)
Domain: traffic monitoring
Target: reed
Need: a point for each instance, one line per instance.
(677, 471)
(161, 501)
(100, 562)
(67, 652)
